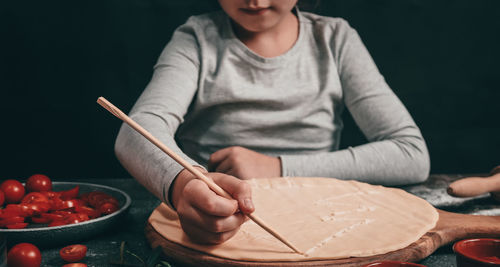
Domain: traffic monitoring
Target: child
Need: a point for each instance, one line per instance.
(257, 90)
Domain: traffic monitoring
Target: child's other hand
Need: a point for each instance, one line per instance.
(205, 216)
(244, 163)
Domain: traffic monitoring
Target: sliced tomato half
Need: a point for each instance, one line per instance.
(11, 220)
(91, 212)
(76, 218)
(40, 219)
(70, 194)
(73, 253)
(108, 208)
(57, 223)
(17, 226)
(35, 197)
(16, 210)
(51, 194)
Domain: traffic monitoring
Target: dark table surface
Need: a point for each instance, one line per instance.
(106, 247)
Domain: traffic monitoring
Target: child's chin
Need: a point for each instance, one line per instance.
(258, 25)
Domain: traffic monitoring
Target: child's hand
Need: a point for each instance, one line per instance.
(244, 163)
(205, 216)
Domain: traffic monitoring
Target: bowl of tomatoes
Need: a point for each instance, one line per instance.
(49, 213)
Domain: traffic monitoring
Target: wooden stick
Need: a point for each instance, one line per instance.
(217, 189)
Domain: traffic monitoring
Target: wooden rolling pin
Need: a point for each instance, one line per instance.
(475, 186)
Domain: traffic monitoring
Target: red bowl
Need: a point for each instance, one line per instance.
(393, 264)
(477, 252)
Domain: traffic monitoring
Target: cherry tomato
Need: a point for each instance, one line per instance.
(85, 198)
(17, 226)
(39, 219)
(56, 203)
(11, 220)
(108, 208)
(70, 194)
(76, 218)
(62, 212)
(38, 183)
(72, 203)
(96, 198)
(92, 213)
(52, 216)
(51, 194)
(24, 255)
(16, 210)
(36, 208)
(75, 265)
(57, 223)
(73, 253)
(2, 198)
(35, 197)
(13, 190)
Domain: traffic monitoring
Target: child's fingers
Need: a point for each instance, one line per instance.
(200, 196)
(224, 167)
(199, 235)
(238, 189)
(213, 224)
(217, 157)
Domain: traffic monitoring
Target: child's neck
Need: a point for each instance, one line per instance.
(274, 41)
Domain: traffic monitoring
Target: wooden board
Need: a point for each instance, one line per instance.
(449, 228)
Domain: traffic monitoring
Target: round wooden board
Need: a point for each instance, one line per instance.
(449, 228)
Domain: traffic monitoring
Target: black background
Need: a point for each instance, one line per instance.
(441, 57)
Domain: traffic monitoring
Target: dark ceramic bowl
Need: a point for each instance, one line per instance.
(480, 252)
(393, 264)
(44, 236)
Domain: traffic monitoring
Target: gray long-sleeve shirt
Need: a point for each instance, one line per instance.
(209, 91)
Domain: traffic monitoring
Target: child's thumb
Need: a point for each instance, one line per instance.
(238, 189)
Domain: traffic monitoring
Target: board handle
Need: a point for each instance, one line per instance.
(452, 227)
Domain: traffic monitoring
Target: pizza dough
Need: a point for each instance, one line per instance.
(324, 217)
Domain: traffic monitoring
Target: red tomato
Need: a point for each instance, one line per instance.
(92, 213)
(35, 197)
(96, 198)
(108, 208)
(56, 203)
(85, 198)
(51, 194)
(37, 208)
(40, 219)
(11, 220)
(17, 226)
(62, 212)
(38, 183)
(73, 253)
(13, 190)
(70, 194)
(71, 203)
(52, 216)
(76, 218)
(24, 255)
(57, 223)
(2, 197)
(75, 265)
(16, 210)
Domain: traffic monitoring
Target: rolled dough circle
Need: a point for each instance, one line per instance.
(324, 217)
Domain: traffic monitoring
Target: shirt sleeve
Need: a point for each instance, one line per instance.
(160, 109)
(396, 153)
